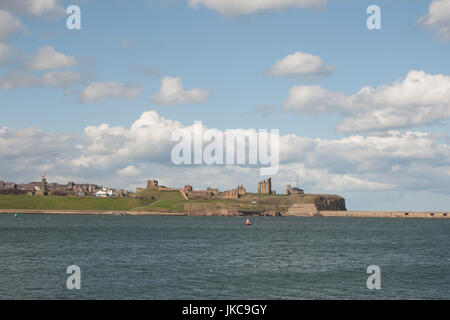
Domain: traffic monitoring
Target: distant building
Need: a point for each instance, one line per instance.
(214, 191)
(265, 187)
(104, 193)
(293, 190)
(240, 191)
(152, 184)
(43, 189)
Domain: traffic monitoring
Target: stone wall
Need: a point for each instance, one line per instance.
(293, 190)
(384, 214)
(302, 210)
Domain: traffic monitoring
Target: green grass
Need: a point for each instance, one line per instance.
(71, 203)
(165, 201)
(161, 195)
(157, 201)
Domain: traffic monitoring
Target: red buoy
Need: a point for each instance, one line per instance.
(248, 223)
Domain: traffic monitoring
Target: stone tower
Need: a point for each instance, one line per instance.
(44, 189)
(265, 187)
(152, 184)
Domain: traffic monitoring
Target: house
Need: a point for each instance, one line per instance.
(104, 193)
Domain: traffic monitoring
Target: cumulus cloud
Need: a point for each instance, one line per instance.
(48, 58)
(57, 79)
(110, 89)
(245, 7)
(60, 78)
(33, 7)
(9, 25)
(129, 171)
(372, 154)
(32, 75)
(300, 64)
(438, 18)
(314, 100)
(126, 157)
(31, 150)
(173, 93)
(419, 99)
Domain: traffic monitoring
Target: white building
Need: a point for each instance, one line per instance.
(104, 193)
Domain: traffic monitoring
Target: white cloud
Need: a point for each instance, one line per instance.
(48, 58)
(124, 157)
(438, 18)
(172, 93)
(110, 89)
(375, 163)
(60, 78)
(300, 64)
(314, 100)
(419, 99)
(9, 25)
(57, 79)
(33, 7)
(245, 7)
(326, 181)
(129, 171)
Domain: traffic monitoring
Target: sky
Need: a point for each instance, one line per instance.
(363, 113)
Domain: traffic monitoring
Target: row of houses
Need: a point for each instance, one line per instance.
(70, 189)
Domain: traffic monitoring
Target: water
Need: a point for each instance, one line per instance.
(145, 257)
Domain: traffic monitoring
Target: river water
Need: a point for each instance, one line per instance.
(157, 257)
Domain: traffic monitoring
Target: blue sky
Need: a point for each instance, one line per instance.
(229, 55)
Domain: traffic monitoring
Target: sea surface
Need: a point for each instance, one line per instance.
(157, 257)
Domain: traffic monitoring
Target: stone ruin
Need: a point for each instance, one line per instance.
(265, 187)
(234, 193)
(152, 184)
(293, 190)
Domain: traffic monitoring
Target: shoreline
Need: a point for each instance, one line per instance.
(321, 213)
(90, 212)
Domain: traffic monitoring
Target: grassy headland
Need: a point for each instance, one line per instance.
(160, 201)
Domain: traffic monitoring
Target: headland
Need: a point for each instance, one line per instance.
(154, 199)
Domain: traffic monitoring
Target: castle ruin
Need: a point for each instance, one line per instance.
(293, 190)
(234, 193)
(152, 184)
(265, 187)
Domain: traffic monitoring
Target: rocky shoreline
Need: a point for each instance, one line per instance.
(320, 213)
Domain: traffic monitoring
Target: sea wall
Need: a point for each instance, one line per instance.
(383, 214)
(319, 203)
(299, 211)
(302, 210)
